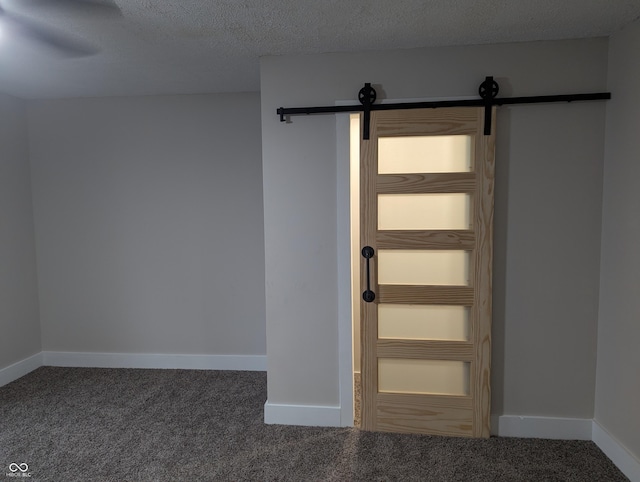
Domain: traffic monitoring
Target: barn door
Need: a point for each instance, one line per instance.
(426, 236)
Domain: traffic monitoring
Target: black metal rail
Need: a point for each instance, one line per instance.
(488, 92)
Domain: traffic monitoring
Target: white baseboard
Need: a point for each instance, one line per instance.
(541, 427)
(145, 360)
(20, 369)
(132, 360)
(309, 415)
(628, 464)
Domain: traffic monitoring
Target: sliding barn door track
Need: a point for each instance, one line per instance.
(488, 91)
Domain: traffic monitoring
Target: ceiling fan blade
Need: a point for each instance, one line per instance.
(63, 44)
(102, 8)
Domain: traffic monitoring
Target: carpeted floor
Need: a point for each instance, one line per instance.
(73, 424)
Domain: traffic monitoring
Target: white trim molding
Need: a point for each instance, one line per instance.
(146, 360)
(628, 464)
(541, 427)
(20, 369)
(309, 415)
(345, 323)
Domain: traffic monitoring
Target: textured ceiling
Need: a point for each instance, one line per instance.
(198, 46)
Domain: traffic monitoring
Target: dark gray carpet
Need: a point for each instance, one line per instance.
(72, 424)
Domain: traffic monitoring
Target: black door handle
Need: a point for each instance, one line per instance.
(367, 294)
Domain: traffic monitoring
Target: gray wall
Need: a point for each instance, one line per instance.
(618, 372)
(19, 319)
(547, 224)
(149, 224)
